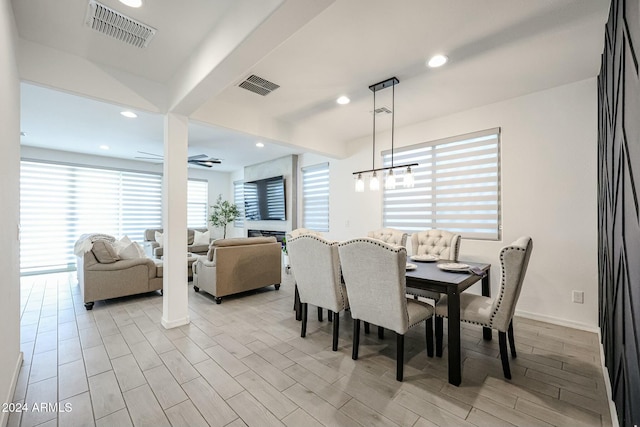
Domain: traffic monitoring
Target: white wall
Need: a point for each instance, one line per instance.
(10, 356)
(549, 175)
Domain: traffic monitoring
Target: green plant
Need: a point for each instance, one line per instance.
(284, 245)
(222, 213)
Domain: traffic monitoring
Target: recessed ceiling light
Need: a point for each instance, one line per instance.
(437, 61)
(129, 114)
(132, 3)
(104, 147)
(343, 100)
(259, 144)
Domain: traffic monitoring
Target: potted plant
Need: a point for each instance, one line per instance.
(222, 213)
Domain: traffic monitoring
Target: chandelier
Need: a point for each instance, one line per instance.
(390, 179)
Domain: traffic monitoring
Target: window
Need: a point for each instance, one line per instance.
(457, 186)
(197, 204)
(315, 197)
(238, 200)
(59, 203)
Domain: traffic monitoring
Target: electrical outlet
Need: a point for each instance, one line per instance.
(578, 297)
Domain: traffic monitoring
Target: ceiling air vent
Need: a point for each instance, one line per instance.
(382, 110)
(258, 85)
(118, 26)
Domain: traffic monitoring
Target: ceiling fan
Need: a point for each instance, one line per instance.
(199, 159)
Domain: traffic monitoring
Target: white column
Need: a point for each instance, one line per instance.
(174, 221)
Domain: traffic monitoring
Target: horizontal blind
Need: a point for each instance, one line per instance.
(238, 200)
(315, 197)
(457, 186)
(197, 203)
(59, 203)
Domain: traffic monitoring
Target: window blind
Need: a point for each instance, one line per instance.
(238, 200)
(60, 202)
(457, 186)
(315, 197)
(197, 203)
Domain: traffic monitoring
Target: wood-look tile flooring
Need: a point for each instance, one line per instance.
(243, 363)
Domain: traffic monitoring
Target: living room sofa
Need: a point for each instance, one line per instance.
(155, 250)
(238, 265)
(113, 278)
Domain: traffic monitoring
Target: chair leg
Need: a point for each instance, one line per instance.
(380, 332)
(512, 342)
(366, 327)
(297, 306)
(356, 339)
(319, 314)
(304, 307)
(502, 340)
(330, 315)
(439, 332)
(399, 357)
(336, 328)
(429, 335)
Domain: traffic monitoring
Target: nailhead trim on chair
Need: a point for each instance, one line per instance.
(502, 252)
(328, 243)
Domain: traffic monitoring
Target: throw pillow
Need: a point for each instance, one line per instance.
(131, 251)
(200, 238)
(104, 252)
(160, 238)
(119, 245)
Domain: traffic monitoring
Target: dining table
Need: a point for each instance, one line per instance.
(429, 276)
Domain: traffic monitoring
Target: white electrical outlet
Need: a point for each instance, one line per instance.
(578, 297)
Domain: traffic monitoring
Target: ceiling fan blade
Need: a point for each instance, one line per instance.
(197, 157)
(151, 154)
(148, 158)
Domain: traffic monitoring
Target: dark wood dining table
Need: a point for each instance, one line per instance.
(429, 276)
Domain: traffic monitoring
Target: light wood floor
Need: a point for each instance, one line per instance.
(243, 363)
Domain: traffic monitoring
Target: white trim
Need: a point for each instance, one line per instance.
(607, 385)
(4, 416)
(175, 323)
(558, 321)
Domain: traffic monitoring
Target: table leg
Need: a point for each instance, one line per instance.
(455, 360)
(486, 291)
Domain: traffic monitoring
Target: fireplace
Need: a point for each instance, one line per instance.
(279, 235)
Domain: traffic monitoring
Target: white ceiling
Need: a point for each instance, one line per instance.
(315, 50)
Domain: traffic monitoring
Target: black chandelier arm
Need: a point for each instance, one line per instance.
(388, 168)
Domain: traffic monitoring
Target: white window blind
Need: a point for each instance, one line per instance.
(315, 197)
(238, 200)
(197, 203)
(58, 203)
(457, 186)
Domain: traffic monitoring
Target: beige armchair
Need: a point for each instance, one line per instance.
(317, 271)
(440, 243)
(374, 274)
(390, 235)
(495, 313)
(238, 265)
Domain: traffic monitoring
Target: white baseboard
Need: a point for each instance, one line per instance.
(607, 385)
(175, 323)
(558, 321)
(4, 416)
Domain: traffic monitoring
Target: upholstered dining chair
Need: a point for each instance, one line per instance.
(374, 274)
(316, 266)
(390, 235)
(495, 313)
(440, 243)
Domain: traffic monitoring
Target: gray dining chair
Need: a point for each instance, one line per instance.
(442, 244)
(390, 235)
(495, 313)
(316, 266)
(374, 274)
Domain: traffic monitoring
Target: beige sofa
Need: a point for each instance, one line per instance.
(113, 278)
(238, 265)
(154, 250)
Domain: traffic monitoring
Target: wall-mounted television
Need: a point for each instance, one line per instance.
(264, 199)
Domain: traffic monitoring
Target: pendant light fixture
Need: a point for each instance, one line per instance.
(390, 179)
